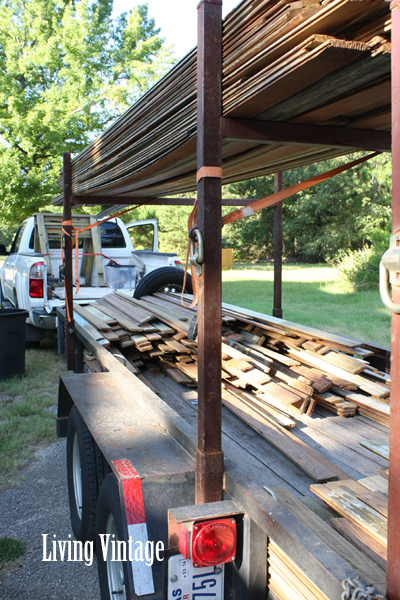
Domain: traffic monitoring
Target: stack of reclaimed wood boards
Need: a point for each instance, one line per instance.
(286, 366)
(364, 553)
(363, 509)
(271, 368)
(273, 373)
(305, 61)
(353, 525)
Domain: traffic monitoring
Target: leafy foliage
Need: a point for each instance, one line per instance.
(251, 238)
(340, 214)
(360, 267)
(67, 70)
(172, 224)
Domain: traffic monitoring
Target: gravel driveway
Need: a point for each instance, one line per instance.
(40, 506)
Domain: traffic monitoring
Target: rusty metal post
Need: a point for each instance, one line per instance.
(209, 457)
(67, 216)
(278, 209)
(393, 555)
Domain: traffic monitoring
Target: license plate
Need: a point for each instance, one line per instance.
(185, 582)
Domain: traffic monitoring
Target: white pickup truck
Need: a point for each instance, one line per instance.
(32, 274)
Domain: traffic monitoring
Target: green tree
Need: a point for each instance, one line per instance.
(251, 238)
(340, 214)
(67, 70)
(172, 226)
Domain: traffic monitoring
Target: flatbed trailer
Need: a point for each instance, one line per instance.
(259, 111)
(153, 429)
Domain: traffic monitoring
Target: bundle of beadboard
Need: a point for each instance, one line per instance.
(268, 364)
(363, 509)
(296, 61)
(287, 579)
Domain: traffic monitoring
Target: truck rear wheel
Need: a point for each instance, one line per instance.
(82, 477)
(164, 279)
(113, 574)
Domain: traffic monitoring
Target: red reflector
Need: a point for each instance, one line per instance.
(213, 542)
(183, 541)
(36, 288)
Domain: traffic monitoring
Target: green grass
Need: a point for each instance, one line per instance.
(11, 549)
(311, 295)
(25, 418)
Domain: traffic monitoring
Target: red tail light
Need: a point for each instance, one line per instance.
(36, 281)
(177, 262)
(212, 542)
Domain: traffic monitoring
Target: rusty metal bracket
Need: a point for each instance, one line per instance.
(390, 265)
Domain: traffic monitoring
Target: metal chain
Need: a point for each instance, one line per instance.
(359, 589)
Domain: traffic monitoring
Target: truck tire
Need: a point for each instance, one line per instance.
(113, 574)
(82, 477)
(163, 279)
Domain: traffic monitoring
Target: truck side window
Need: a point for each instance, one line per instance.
(111, 236)
(17, 240)
(142, 236)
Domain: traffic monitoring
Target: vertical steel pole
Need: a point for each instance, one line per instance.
(393, 555)
(209, 457)
(67, 216)
(277, 311)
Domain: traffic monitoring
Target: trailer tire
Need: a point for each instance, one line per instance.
(102, 466)
(82, 477)
(113, 575)
(165, 278)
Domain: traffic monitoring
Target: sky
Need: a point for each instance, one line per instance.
(176, 18)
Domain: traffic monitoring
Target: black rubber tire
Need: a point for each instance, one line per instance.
(102, 467)
(109, 504)
(83, 522)
(161, 278)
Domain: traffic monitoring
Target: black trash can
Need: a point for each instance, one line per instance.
(12, 342)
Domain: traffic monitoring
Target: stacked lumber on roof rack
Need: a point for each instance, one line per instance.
(271, 368)
(306, 61)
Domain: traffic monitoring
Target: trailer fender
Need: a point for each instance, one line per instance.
(65, 404)
(132, 528)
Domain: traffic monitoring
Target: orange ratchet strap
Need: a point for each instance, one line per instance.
(209, 172)
(290, 191)
(258, 204)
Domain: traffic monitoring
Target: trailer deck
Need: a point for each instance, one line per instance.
(154, 427)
